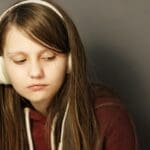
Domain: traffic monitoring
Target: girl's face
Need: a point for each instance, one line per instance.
(35, 72)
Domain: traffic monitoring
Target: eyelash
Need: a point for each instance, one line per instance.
(48, 58)
(43, 58)
(19, 61)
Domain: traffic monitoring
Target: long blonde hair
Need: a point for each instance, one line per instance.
(49, 29)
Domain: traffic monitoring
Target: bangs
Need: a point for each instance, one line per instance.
(41, 24)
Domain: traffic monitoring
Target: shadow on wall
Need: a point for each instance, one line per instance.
(119, 72)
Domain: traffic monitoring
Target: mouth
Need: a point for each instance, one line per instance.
(37, 87)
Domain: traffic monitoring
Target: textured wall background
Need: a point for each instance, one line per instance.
(116, 35)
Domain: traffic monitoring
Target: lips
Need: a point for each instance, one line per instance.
(37, 87)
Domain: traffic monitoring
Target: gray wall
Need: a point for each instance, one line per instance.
(116, 35)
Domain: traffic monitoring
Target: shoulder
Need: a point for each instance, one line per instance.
(114, 122)
(108, 106)
(109, 110)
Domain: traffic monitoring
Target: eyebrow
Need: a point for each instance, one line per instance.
(17, 52)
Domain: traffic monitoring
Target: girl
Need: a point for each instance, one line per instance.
(46, 101)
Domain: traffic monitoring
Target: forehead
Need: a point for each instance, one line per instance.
(17, 40)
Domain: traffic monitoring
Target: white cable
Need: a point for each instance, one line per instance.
(27, 123)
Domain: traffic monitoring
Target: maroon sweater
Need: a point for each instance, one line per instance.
(116, 127)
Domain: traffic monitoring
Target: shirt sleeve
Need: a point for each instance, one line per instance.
(117, 129)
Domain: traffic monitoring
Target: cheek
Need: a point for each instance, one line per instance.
(14, 73)
(16, 79)
(56, 71)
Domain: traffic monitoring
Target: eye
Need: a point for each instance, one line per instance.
(19, 61)
(48, 56)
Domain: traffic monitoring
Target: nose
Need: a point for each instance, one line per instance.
(36, 70)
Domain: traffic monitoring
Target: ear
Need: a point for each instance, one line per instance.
(69, 65)
(3, 75)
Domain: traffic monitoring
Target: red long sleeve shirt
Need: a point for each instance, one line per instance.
(116, 127)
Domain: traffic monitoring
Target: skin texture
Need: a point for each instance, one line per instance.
(35, 72)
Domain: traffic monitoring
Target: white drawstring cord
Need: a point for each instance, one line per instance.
(29, 135)
(60, 146)
(27, 121)
(52, 133)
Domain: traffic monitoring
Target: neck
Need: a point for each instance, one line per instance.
(40, 107)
